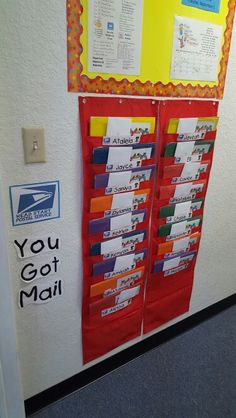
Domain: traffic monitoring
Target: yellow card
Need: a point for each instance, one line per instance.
(98, 125)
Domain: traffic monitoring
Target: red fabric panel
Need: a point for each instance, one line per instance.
(168, 297)
(165, 297)
(104, 333)
(165, 309)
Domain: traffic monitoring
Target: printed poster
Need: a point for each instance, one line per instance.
(34, 202)
(196, 50)
(115, 36)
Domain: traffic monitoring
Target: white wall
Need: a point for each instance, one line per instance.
(33, 77)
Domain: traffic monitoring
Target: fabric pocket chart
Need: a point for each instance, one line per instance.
(146, 167)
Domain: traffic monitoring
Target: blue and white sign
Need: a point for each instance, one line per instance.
(209, 5)
(35, 202)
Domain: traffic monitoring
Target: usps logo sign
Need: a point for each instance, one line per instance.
(35, 202)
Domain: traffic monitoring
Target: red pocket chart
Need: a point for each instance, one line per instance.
(144, 187)
(117, 203)
(181, 186)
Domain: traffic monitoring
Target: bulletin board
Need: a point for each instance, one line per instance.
(156, 52)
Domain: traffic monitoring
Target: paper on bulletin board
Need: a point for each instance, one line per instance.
(114, 36)
(209, 5)
(196, 50)
(156, 52)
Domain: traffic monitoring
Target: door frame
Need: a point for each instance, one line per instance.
(11, 394)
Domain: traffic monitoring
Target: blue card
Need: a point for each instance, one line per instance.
(209, 5)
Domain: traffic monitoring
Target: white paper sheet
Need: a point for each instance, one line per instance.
(178, 228)
(120, 221)
(111, 245)
(128, 294)
(184, 149)
(196, 50)
(125, 155)
(35, 245)
(32, 271)
(121, 178)
(136, 219)
(122, 200)
(182, 209)
(119, 154)
(170, 264)
(143, 175)
(135, 239)
(114, 36)
(118, 126)
(183, 190)
(126, 280)
(180, 244)
(126, 261)
(190, 170)
(187, 125)
(46, 292)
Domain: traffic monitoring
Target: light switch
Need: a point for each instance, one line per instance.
(34, 145)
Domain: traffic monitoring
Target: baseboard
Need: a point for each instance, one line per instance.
(85, 377)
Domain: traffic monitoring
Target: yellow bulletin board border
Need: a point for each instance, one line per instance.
(81, 83)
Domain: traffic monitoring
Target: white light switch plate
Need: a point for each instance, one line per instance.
(34, 145)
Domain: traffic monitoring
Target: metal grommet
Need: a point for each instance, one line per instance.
(190, 102)
(214, 103)
(84, 101)
(153, 102)
(120, 101)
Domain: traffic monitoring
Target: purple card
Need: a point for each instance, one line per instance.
(173, 262)
(119, 265)
(116, 222)
(123, 178)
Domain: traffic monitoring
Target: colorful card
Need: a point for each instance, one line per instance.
(119, 203)
(180, 211)
(98, 125)
(172, 248)
(204, 124)
(179, 150)
(119, 265)
(174, 262)
(181, 173)
(111, 286)
(182, 192)
(123, 158)
(109, 247)
(128, 179)
(116, 223)
(178, 229)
